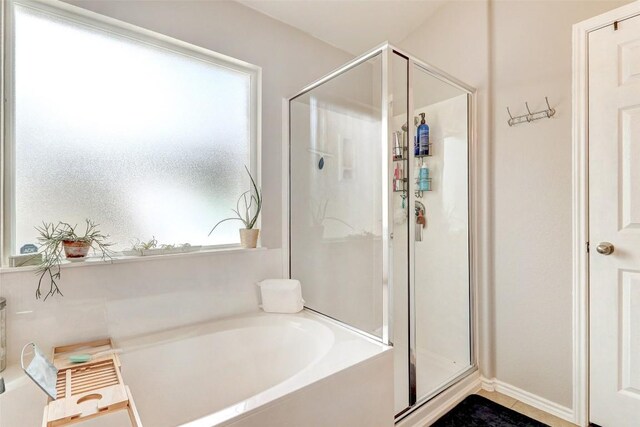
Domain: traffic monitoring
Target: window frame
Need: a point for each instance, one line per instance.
(121, 29)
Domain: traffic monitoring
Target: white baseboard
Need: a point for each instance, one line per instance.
(443, 403)
(528, 398)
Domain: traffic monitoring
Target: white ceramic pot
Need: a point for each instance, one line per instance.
(249, 237)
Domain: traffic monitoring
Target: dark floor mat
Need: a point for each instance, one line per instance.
(478, 411)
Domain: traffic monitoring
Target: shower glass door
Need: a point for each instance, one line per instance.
(441, 291)
(337, 195)
(379, 216)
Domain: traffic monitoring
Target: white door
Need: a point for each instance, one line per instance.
(614, 217)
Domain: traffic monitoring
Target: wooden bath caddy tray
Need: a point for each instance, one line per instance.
(90, 389)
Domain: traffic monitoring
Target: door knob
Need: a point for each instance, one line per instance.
(605, 248)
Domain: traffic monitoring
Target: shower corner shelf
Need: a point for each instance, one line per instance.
(404, 185)
(430, 151)
(401, 157)
(416, 156)
(419, 193)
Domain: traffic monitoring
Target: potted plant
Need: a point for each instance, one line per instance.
(61, 238)
(252, 205)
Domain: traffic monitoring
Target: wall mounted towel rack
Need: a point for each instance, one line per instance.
(530, 117)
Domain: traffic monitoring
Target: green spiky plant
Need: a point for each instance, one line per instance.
(52, 237)
(252, 200)
(141, 246)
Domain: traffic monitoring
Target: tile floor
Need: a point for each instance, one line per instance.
(525, 409)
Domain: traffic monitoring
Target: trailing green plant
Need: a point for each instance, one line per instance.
(52, 237)
(252, 200)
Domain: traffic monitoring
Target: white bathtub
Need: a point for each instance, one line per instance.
(256, 370)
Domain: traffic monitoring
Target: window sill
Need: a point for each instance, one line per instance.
(120, 259)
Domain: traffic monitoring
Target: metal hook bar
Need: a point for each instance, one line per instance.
(531, 116)
(550, 111)
(510, 121)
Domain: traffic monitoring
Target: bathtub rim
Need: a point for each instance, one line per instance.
(234, 412)
(368, 350)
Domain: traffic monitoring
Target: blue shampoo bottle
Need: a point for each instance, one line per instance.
(423, 137)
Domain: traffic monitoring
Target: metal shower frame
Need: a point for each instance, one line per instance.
(385, 51)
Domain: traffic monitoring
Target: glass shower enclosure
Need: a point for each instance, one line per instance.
(379, 213)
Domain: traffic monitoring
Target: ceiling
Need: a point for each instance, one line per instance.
(354, 26)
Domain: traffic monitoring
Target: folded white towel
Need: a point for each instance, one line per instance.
(281, 296)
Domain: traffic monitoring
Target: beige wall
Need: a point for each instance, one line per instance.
(517, 51)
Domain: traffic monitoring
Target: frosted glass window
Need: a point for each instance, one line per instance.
(145, 140)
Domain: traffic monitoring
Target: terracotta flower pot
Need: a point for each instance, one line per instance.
(75, 249)
(249, 237)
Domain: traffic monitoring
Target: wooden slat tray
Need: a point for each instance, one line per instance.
(88, 390)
